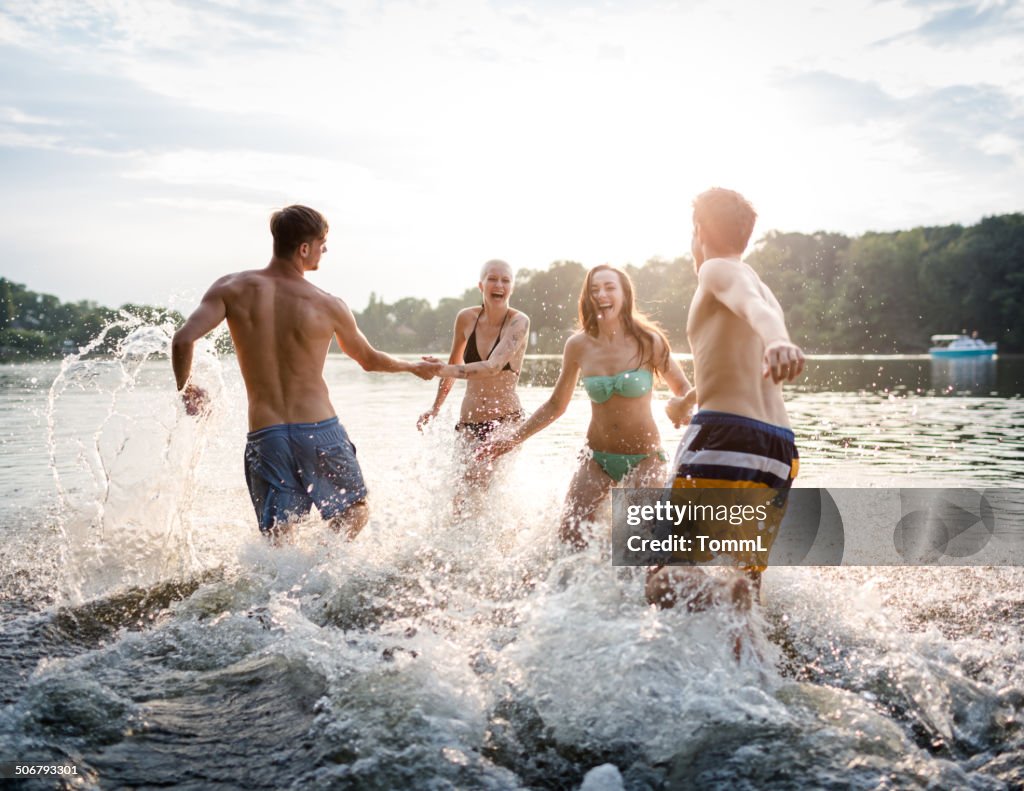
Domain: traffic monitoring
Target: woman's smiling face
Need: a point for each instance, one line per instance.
(496, 283)
(606, 294)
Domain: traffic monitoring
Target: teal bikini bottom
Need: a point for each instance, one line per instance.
(618, 465)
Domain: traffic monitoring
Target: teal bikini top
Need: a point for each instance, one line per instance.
(628, 384)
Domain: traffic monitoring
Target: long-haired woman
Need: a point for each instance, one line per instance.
(618, 352)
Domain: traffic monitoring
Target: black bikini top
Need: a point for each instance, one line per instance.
(472, 353)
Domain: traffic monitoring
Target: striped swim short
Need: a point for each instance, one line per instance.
(730, 451)
(720, 450)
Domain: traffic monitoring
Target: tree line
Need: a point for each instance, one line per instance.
(871, 294)
(36, 326)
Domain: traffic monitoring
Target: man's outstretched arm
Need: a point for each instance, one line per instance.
(355, 345)
(783, 359)
(206, 317)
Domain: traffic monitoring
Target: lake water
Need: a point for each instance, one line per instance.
(150, 635)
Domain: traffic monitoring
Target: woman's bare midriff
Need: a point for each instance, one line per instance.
(623, 425)
(490, 399)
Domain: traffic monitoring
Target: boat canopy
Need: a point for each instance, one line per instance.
(946, 338)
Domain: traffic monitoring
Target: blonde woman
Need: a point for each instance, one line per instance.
(488, 347)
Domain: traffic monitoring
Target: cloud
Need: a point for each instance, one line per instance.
(1001, 145)
(836, 99)
(244, 208)
(350, 186)
(13, 115)
(953, 125)
(96, 113)
(960, 23)
(440, 132)
(182, 30)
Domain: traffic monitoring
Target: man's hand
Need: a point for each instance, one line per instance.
(196, 400)
(783, 361)
(425, 418)
(441, 364)
(426, 370)
(680, 408)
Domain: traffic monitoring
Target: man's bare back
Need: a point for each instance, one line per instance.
(281, 326)
(298, 455)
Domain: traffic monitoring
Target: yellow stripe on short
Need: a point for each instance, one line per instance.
(715, 483)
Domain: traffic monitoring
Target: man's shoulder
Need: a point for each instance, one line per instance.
(244, 277)
(334, 307)
(716, 266)
(302, 289)
(249, 281)
(717, 273)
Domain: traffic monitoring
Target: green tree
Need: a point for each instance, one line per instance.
(803, 271)
(8, 310)
(549, 297)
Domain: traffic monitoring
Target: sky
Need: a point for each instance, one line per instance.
(143, 145)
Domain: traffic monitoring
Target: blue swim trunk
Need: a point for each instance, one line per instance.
(293, 466)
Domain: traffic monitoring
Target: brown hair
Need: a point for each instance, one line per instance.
(726, 219)
(294, 225)
(636, 324)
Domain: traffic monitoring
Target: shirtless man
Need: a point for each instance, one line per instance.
(741, 436)
(297, 454)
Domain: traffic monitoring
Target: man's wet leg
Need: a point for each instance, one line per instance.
(352, 520)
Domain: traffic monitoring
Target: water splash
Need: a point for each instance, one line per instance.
(467, 651)
(122, 462)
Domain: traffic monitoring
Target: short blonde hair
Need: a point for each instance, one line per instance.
(495, 262)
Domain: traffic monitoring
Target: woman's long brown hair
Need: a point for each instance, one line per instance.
(636, 324)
